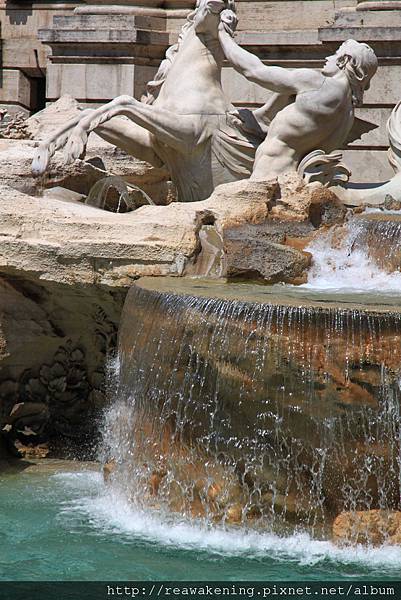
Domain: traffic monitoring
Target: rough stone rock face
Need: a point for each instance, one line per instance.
(313, 202)
(101, 158)
(15, 128)
(374, 527)
(57, 339)
(32, 450)
(15, 170)
(155, 182)
(81, 175)
(231, 246)
(4, 454)
(24, 426)
(262, 252)
(65, 268)
(271, 262)
(71, 243)
(273, 250)
(21, 318)
(245, 198)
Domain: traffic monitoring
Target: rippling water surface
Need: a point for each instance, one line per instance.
(68, 526)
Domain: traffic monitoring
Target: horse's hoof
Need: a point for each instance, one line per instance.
(39, 164)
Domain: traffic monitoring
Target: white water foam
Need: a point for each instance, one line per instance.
(371, 210)
(110, 512)
(345, 268)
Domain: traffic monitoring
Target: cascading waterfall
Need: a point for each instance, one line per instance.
(271, 415)
(365, 254)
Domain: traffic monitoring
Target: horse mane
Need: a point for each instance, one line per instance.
(153, 87)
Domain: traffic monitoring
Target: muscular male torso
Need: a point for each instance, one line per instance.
(318, 118)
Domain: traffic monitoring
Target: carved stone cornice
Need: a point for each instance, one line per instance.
(365, 5)
(151, 8)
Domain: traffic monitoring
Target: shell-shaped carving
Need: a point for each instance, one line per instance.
(324, 168)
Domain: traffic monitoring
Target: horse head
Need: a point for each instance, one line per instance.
(207, 14)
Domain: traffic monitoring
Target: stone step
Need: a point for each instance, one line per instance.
(355, 18)
(108, 22)
(278, 38)
(99, 36)
(287, 14)
(361, 34)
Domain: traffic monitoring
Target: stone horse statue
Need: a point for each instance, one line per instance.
(184, 122)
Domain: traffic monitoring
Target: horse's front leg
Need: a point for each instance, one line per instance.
(177, 131)
(57, 140)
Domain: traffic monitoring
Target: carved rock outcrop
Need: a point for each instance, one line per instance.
(15, 171)
(298, 201)
(249, 255)
(56, 339)
(65, 268)
(99, 153)
(273, 250)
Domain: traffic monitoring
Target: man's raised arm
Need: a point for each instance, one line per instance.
(276, 79)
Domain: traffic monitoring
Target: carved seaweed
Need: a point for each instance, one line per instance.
(62, 385)
(105, 332)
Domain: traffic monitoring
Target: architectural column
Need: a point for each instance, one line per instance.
(104, 50)
(22, 56)
(378, 23)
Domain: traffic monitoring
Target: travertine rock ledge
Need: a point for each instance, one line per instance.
(69, 242)
(65, 269)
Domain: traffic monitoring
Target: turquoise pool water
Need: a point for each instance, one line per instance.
(63, 524)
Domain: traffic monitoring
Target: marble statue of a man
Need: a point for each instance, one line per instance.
(318, 108)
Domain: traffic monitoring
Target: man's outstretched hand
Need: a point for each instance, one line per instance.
(228, 21)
